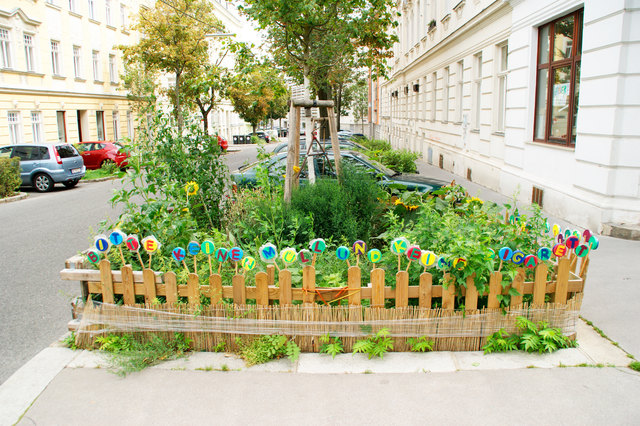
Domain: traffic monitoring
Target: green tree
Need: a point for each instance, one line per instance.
(205, 87)
(360, 102)
(173, 40)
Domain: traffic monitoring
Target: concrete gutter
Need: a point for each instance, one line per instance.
(20, 196)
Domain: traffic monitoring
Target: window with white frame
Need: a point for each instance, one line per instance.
(501, 94)
(123, 16)
(72, 5)
(107, 11)
(434, 86)
(115, 120)
(62, 126)
(5, 48)
(112, 68)
(36, 126)
(477, 90)
(29, 52)
(92, 9)
(100, 124)
(445, 95)
(95, 60)
(55, 58)
(459, 92)
(77, 62)
(15, 133)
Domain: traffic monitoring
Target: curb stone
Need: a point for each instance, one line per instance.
(20, 196)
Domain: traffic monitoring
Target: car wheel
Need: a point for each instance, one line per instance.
(43, 183)
(71, 183)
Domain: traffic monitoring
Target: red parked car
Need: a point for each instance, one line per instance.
(96, 154)
(222, 143)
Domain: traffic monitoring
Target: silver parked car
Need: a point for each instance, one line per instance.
(44, 165)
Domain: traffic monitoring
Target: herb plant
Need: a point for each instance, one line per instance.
(266, 348)
(420, 344)
(375, 345)
(533, 338)
(331, 345)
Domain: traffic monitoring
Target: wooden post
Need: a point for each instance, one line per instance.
(448, 293)
(293, 155)
(377, 284)
(215, 288)
(309, 284)
(518, 285)
(471, 298)
(495, 288)
(193, 289)
(354, 284)
(402, 289)
(284, 281)
(335, 144)
(239, 290)
(128, 291)
(262, 289)
(171, 286)
(149, 279)
(540, 284)
(562, 281)
(425, 290)
(271, 274)
(106, 281)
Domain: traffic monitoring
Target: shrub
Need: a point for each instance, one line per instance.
(402, 161)
(9, 176)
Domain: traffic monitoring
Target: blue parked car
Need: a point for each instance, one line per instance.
(43, 165)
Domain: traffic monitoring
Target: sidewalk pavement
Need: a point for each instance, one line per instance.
(60, 386)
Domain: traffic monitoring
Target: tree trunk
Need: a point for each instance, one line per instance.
(178, 106)
(324, 94)
(339, 107)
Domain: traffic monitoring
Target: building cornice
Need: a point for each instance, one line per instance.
(31, 92)
(21, 14)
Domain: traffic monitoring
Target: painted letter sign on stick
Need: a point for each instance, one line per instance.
(559, 250)
(193, 248)
(360, 248)
(505, 254)
(442, 263)
(544, 253)
(399, 245)
(414, 253)
(150, 244)
(459, 263)
(235, 254)
(556, 229)
(288, 255)
(582, 250)
(305, 256)
(530, 261)
(248, 263)
(208, 247)
(93, 256)
(221, 254)
(317, 246)
(102, 243)
(517, 257)
(178, 254)
(268, 253)
(428, 259)
(132, 243)
(374, 255)
(117, 237)
(594, 243)
(572, 242)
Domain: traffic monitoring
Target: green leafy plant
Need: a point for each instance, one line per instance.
(375, 345)
(420, 344)
(70, 341)
(533, 338)
(266, 348)
(331, 345)
(9, 176)
(129, 354)
(635, 366)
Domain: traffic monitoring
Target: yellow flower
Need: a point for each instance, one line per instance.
(296, 169)
(191, 188)
(186, 209)
(398, 202)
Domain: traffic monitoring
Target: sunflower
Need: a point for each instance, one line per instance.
(191, 188)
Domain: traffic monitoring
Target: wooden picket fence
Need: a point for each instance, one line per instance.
(264, 291)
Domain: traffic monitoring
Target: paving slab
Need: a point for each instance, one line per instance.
(23, 387)
(598, 349)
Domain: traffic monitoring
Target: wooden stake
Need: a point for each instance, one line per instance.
(140, 259)
(121, 256)
(185, 266)
(313, 262)
(150, 255)
(407, 270)
(399, 260)
(348, 263)
(195, 265)
(210, 270)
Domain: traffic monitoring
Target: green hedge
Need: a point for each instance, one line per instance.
(9, 176)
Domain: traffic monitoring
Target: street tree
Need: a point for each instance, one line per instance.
(173, 40)
(360, 105)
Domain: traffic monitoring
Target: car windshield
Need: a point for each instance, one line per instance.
(373, 164)
(66, 151)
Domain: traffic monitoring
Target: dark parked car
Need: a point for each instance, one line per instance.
(344, 144)
(42, 165)
(246, 175)
(262, 135)
(97, 154)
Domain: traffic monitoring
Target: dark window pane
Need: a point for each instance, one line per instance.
(560, 102)
(563, 39)
(543, 44)
(541, 104)
(576, 94)
(43, 153)
(66, 151)
(22, 152)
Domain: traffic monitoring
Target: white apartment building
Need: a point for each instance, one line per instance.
(530, 97)
(60, 72)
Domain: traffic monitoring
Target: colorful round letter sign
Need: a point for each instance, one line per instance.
(374, 255)
(117, 237)
(490, 254)
(442, 263)
(132, 243)
(193, 248)
(582, 250)
(235, 254)
(586, 235)
(428, 259)
(305, 256)
(399, 245)
(268, 253)
(530, 261)
(414, 253)
(517, 257)
(221, 254)
(594, 243)
(178, 254)
(360, 248)
(288, 255)
(248, 263)
(93, 256)
(544, 253)
(559, 250)
(505, 254)
(556, 230)
(102, 243)
(317, 246)
(208, 247)
(150, 244)
(459, 263)
(572, 242)
(343, 253)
